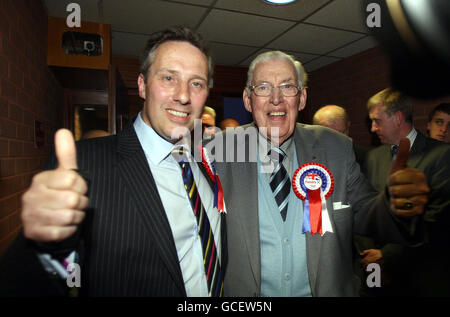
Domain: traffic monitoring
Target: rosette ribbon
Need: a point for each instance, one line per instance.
(314, 183)
(219, 202)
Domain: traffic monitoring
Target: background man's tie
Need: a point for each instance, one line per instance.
(394, 150)
(214, 274)
(279, 181)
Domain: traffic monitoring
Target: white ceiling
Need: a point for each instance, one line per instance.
(317, 32)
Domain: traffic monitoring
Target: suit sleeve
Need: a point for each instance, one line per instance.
(22, 271)
(433, 225)
(373, 216)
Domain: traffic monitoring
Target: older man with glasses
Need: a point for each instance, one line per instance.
(291, 211)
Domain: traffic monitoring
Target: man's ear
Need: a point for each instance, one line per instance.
(141, 86)
(247, 101)
(399, 118)
(302, 103)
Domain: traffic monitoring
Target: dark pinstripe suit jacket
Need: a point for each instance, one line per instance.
(127, 244)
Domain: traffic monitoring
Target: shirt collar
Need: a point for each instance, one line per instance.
(263, 148)
(411, 136)
(155, 147)
(286, 146)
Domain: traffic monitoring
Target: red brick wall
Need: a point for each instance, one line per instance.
(349, 83)
(28, 92)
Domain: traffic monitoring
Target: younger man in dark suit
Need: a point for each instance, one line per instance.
(132, 227)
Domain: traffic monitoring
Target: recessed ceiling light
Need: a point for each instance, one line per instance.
(279, 2)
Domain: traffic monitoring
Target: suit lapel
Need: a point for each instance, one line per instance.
(308, 152)
(312, 152)
(139, 181)
(384, 165)
(250, 221)
(384, 160)
(247, 218)
(417, 151)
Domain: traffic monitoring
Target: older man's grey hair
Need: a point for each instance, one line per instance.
(302, 76)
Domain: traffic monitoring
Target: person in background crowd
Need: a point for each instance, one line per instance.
(336, 118)
(438, 125)
(422, 269)
(229, 123)
(209, 122)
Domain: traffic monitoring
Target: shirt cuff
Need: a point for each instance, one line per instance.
(56, 267)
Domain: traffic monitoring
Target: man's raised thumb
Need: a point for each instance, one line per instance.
(66, 152)
(400, 159)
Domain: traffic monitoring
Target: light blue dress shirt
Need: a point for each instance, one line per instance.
(167, 174)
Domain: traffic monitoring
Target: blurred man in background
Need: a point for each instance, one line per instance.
(424, 268)
(209, 122)
(439, 123)
(229, 123)
(336, 118)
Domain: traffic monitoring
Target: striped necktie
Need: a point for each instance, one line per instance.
(279, 181)
(394, 150)
(214, 274)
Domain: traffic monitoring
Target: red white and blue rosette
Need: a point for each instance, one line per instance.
(313, 183)
(219, 202)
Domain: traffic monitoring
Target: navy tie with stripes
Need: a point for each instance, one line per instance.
(279, 181)
(214, 274)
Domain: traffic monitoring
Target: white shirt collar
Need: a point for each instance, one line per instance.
(411, 136)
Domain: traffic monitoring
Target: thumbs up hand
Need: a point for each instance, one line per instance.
(52, 208)
(407, 186)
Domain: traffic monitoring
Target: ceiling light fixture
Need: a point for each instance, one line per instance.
(278, 2)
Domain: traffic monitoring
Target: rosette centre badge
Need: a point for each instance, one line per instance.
(313, 183)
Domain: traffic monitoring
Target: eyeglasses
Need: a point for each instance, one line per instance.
(266, 89)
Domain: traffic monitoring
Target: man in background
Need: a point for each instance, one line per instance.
(336, 118)
(333, 117)
(229, 123)
(438, 125)
(422, 269)
(208, 122)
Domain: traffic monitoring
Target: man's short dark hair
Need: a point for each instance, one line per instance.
(443, 107)
(176, 33)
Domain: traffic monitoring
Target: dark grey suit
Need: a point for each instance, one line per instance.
(128, 245)
(329, 257)
(424, 268)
